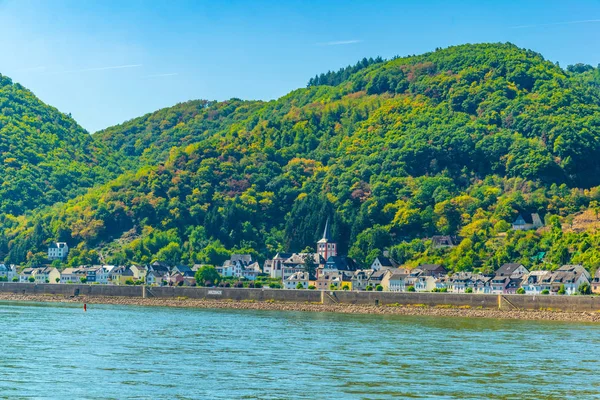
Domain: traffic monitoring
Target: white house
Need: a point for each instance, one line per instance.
(72, 275)
(571, 276)
(26, 274)
(295, 279)
(525, 222)
(383, 262)
(97, 274)
(46, 275)
(394, 281)
(425, 283)
(533, 282)
(58, 251)
(8, 272)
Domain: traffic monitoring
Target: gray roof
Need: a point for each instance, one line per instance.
(507, 269)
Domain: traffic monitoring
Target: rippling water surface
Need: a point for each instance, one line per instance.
(111, 352)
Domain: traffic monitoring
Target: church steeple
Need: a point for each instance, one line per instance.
(326, 247)
(326, 232)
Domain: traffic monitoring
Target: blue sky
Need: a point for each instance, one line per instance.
(109, 61)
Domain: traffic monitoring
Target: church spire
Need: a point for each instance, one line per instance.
(326, 247)
(326, 232)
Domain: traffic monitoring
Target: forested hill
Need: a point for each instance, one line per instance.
(456, 141)
(45, 157)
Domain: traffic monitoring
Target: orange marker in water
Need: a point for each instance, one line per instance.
(84, 307)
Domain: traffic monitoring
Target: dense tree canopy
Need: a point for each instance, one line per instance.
(456, 142)
(45, 157)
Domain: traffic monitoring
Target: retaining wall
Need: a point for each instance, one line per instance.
(506, 302)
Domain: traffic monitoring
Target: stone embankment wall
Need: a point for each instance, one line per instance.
(486, 301)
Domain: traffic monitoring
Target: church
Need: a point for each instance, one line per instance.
(326, 260)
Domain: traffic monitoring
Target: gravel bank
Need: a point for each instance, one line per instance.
(338, 308)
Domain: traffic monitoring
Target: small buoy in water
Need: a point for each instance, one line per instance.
(84, 307)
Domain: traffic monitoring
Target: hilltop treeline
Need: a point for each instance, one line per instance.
(457, 141)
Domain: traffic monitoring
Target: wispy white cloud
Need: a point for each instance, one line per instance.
(99, 68)
(584, 21)
(339, 42)
(33, 69)
(161, 75)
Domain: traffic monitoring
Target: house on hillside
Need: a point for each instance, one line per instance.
(58, 251)
(527, 221)
(384, 262)
(442, 241)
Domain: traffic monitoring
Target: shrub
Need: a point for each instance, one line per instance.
(332, 287)
(57, 280)
(31, 279)
(129, 282)
(311, 287)
(584, 288)
(369, 288)
(238, 284)
(545, 291)
(251, 285)
(379, 288)
(15, 279)
(345, 287)
(469, 290)
(3, 278)
(83, 280)
(206, 273)
(410, 289)
(562, 290)
(299, 286)
(274, 285)
(520, 291)
(444, 290)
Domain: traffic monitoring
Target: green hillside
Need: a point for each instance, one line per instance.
(45, 157)
(456, 141)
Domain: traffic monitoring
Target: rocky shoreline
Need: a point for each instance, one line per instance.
(439, 311)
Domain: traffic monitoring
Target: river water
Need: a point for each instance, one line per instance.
(57, 351)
